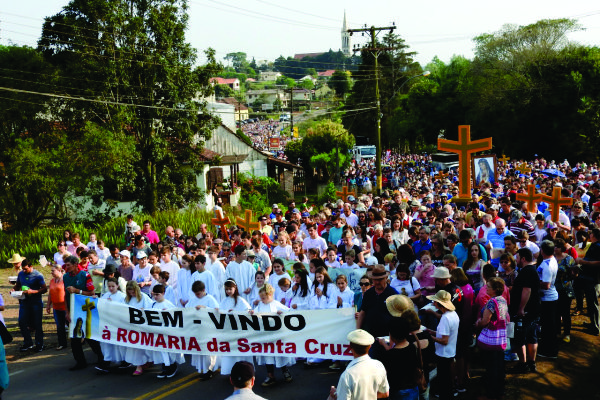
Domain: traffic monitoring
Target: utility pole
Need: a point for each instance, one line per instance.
(291, 90)
(373, 31)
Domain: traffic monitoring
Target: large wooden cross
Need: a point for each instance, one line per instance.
(464, 147)
(220, 221)
(531, 197)
(344, 193)
(555, 201)
(246, 222)
(88, 307)
(504, 159)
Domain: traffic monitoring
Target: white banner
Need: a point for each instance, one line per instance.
(310, 333)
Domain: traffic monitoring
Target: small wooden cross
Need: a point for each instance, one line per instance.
(246, 222)
(523, 167)
(221, 221)
(344, 193)
(504, 159)
(441, 174)
(464, 147)
(531, 197)
(88, 307)
(555, 201)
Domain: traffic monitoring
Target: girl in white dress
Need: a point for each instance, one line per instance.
(275, 277)
(323, 295)
(205, 364)
(300, 292)
(135, 298)
(184, 280)
(345, 295)
(332, 259)
(269, 305)
(233, 302)
(113, 352)
(284, 247)
(259, 283)
(169, 360)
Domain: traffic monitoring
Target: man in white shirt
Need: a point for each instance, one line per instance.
(548, 345)
(351, 219)
(364, 378)
(314, 241)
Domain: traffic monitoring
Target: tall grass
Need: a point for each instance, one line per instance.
(32, 244)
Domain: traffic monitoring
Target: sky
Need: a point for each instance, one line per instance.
(266, 29)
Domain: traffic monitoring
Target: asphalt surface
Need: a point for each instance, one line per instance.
(46, 376)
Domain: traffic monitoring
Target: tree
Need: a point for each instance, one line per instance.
(307, 84)
(395, 67)
(318, 143)
(224, 91)
(131, 63)
(340, 83)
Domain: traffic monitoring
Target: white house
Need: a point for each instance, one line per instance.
(268, 75)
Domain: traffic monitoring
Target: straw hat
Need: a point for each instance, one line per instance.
(444, 299)
(441, 273)
(16, 258)
(398, 304)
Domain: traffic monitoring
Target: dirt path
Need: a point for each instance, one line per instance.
(572, 376)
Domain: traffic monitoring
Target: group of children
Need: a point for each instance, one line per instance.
(203, 282)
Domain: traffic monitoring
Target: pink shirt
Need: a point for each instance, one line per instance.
(426, 280)
(152, 236)
(483, 298)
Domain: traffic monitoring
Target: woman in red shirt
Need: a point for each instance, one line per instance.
(56, 301)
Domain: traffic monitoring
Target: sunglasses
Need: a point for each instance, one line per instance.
(364, 284)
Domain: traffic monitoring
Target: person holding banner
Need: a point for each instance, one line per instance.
(113, 352)
(80, 282)
(269, 305)
(169, 361)
(205, 364)
(135, 298)
(233, 302)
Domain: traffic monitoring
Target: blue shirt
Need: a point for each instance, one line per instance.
(33, 280)
(461, 253)
(419, 246)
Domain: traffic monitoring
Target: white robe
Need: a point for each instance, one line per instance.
(218, 271)
(228, 303)
(209, 282)
(113, 352)
(204, 363)
(242, 274)
(184, 286)
(279, 362)
(132, 355)
(163, 357)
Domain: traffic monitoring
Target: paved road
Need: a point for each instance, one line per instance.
(46, 376)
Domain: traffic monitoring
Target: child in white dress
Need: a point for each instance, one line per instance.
(113, 352)
(259, 283)
(269, 305)
(135, 298)
(169, 360)
(205, 365)
(233, 302)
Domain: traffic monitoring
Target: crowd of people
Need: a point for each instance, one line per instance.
(441, 277)
(260, 132)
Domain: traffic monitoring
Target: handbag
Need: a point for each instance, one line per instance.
(493, 336)
(419, 373)
(5, 334)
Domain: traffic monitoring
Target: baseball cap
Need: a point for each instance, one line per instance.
(241, 372)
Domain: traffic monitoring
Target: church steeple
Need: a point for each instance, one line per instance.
(345, 38)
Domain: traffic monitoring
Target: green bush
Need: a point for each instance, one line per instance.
(32, 244)
(328, 194)
(258, 193)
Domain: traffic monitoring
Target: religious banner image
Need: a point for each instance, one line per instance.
(484, 169)
(293, 333)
